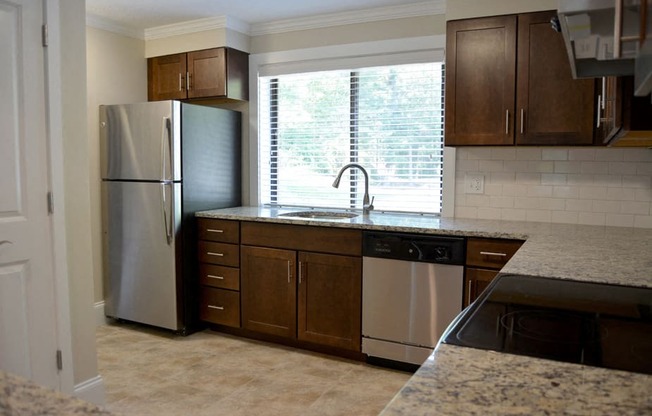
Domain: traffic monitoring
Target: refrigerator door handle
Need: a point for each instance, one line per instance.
(166, 139)
(167, 217)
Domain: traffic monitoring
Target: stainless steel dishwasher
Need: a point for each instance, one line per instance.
(412, 289)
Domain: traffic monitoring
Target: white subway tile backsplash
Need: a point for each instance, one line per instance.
(620, 220)
(622, 168)
(595, 168)
(565, 217)
(512, 214)
(612, 207)
(581, 154)
(643, 221)
(541, 167)
(596, 186)
(636, 208)
(491, 165)
(554, 154)
(553, 179)
(592, 218)
(567, 167)
(538, 215)
(502, 202)
(593, 192)
(565, 192)
(528, 153)
(488, 213)
(609, 155)
(540, 191)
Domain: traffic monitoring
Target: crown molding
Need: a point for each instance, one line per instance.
(111, 26)
(432, 7)
(199, 25)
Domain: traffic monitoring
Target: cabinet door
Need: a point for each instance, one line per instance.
(330, 296)
(475, 282)
(166, 77)
(207, 73)
(552, 107)
(268, 290)
(480, 81)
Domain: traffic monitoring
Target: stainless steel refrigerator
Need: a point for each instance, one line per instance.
(161, 162)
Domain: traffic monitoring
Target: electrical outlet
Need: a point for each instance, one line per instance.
(474, 184)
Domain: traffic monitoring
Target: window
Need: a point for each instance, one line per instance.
(389, 119)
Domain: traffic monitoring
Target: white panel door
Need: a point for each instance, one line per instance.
(28, 326)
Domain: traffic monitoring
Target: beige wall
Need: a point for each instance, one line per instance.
(464, 9)
(184, 43)
(77, 188)
(116, 74)
(360, 32)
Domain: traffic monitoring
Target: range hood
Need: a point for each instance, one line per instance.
(603, 38)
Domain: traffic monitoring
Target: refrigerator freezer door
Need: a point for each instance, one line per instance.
(141, 230)
(141, 142)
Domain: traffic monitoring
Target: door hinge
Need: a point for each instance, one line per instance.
(50, 203)
(59, 360)
(44, 34)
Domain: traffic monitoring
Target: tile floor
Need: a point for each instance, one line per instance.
(151, 372)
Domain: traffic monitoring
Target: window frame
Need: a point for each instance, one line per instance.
(378, 53)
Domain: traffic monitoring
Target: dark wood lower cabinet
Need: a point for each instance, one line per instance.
(475, 282)
(268, 290)
(329, 301)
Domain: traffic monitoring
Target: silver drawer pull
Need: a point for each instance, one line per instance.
(489, 253)
(210, 253)
(219, 308)
(212, 230)
(216, 277)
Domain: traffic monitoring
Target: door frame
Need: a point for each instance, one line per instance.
(55, 155)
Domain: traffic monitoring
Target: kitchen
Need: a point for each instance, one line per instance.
(472, 160)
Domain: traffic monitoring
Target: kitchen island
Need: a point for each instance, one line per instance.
(460, 380)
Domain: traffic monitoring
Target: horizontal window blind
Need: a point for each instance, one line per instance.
(388, 119)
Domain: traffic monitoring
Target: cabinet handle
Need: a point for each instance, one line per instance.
(210, 253)
(506, 122)
(219, 308)
(300, 272)
(470, 291)
(522, 119)
(604, 92)
(211, 230)
(180, 81)
(490, 253)
(289, 271)
(597, 125)
(189, 82)
(216, 277)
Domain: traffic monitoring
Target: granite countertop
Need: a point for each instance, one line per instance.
(615, 255)
(458, 380)
(19, 396)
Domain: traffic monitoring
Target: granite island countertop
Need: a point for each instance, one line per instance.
(458, 380)
(19, 396)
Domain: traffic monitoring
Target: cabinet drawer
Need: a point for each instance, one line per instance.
(220, 306)
(224, 231)
(490, 253)
(219, 253)
(219, 276)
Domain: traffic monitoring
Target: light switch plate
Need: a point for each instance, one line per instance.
(474, 183)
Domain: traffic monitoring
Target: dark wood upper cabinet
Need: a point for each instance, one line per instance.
(552, 107)
(210, 73)
(480, 81)
(509, 82)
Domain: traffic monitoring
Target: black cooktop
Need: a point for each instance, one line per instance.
(577, 322)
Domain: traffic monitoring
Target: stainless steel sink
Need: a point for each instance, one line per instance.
(324, 215)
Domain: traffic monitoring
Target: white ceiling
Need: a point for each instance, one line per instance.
(145, 14)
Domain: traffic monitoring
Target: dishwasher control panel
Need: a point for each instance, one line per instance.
(414, 247)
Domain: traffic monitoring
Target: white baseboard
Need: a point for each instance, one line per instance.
(100, 319)
(92, 390)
